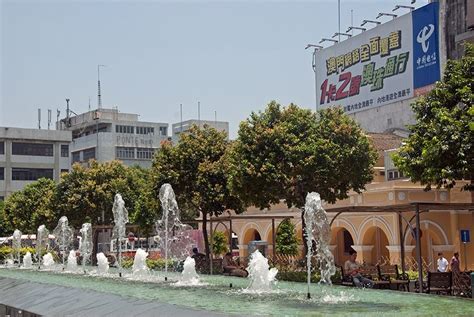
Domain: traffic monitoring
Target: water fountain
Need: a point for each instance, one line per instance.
(173, 237)
(85, 244)
(318, 230)
(260, 275)
(16, 245)
(189, 276)
(120, 220)
(42, 243)
(48, 261)
(102, 264)
(71, 261)
(64, 237)
(139, 263)
(27, 261)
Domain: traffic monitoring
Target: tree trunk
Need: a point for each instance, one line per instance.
(204, 234)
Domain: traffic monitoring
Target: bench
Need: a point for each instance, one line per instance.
(440, 282)
(391, 273)
(369, 271)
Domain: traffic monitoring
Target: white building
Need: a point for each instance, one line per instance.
(29, 154)
(185, 126)
(107, 134)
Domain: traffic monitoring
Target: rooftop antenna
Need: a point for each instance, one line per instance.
(49, 118)
(352, 23)
(215, 118)
(39, 118)
(181, 116)
(199, 114)
(89, 103)
(339, 19)
(99, 96)
(58, 113)
(67, 108)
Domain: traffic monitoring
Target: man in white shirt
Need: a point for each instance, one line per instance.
(442, 263)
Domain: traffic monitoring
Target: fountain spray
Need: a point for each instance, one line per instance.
(42, 243)
(120, 220)
(319, 230)
(85, 245)
(16, 244)
(64, 236)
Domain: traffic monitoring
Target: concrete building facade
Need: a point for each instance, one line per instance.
(107, 134)
(185, 126)
(29, 154)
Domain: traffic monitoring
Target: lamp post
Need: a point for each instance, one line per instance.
(316, 48)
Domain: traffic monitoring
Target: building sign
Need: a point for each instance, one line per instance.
(389, 63)
(465, 236)
(134, 141)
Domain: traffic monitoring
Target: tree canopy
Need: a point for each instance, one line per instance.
(32, 206)
(284, 153)
(440, 150)
(197, 169)
(87, 192)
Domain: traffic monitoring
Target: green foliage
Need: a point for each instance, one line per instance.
(197, 168)
(156, 264)
(31, 207)
(286, 240)
(286, 153)
(86, 192)
(440, 149)
(301, 276)
(7, 251)
(219, 243)
(5, 228)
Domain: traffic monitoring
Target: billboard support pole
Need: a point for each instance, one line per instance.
(315, 80)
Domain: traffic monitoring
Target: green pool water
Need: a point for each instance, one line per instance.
(288, 299)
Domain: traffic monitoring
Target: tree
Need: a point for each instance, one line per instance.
(197, 169)
(88, 192)
(5, 228)
(286, 153)
(286, 241)
(440, 149)
(219, 243)
(32, 206)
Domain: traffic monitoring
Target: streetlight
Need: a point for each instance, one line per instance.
(364, 22)
(316, 48)
(381, 14)
(339, 33)
(327, 40)
(355, 28)
(400, 6)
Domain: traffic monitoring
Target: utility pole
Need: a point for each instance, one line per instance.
(99, 96)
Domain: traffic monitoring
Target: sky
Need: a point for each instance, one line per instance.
(234, 57)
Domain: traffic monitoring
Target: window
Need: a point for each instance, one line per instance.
(64, 170)
(145, 130)
(392, 175)
(34, 149)
(31, 174)
(382, 173)
(64, 150)
(88, 154)
(76, 156)
(125, 152)
(124, 129)
(2, 198)
(145, 153)
(163, 130)
(348, 242)
(2, 148)
(2, 173)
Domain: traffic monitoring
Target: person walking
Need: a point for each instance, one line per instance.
(442, 263)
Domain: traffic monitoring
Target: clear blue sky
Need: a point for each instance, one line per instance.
(232, 56)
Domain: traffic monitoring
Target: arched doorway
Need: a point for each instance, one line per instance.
(376, 237)
(343, 241)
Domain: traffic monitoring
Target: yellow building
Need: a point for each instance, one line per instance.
(373, 229)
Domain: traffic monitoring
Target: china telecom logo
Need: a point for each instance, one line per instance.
(424, 36)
